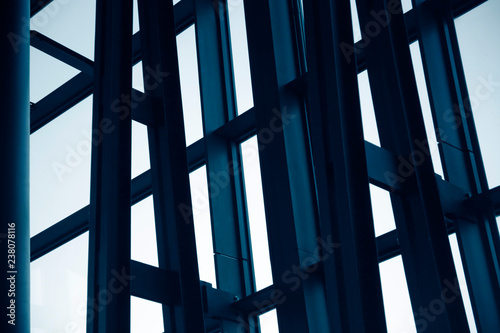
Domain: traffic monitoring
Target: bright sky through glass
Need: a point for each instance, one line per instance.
(479, 47)
(47, 74)
(397, 305)
(383, 217)
(239, 49)
(143, 245)
(60, 167)
(202, 225)
(370, 130)
(256, 213)
(190, 86)
(59, 289)
(70, 23)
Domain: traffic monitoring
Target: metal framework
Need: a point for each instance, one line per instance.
(316, 169)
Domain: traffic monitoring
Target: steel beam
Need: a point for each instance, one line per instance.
(109, 229)
(287, 178)
(14, 195)
(231, 242)
(421, 227)
(352, 275)
(478, 237)
(169, 168)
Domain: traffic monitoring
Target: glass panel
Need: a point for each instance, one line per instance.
(383, 217)
(432, 145)
(70, 23)
(190, 86)
(47, 74)
(256, 213)
(135, 22)
(140, 149)
(241, 61)
(143, 243)
(479, 53)
(269, 322)
(59, 288)
(203, 225)
(355, 21)
(370, 131)
(397, 304)
(461, 282)
(406, 4)
(145, 316)
(176, 1)
(137, 77)
(60, 167)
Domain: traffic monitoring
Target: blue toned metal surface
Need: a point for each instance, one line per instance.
(14, 198)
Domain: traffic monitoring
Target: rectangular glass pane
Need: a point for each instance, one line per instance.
(59, 289)
(431, 147)
(140, 149)
(370, 131)
(145, 316)
(70, 23)
(60, 154)
(47, 74)
(241, 61)
(190, 86)
(479, 50)
(256, 213)
(268, 322)
(383, 216)
(203, 225)
(355, 22)
(397, 304)
(143, 244)
(457, 259)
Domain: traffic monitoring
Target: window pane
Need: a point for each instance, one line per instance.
(406, 4)
(60, 167)
(383, 217)
(397, 304)
(268, 322)
(190, 87)
(370, 131)
(135, 22)
(144, 233)
(145, 316)
(256, 213)
(47, 74)
(203, 225)
(426, 109)
(479, 51)
(70, 23)
(355, 21)
(241, 62)
(59, 289)
(462, 283)
(140, 149)
(137, 77)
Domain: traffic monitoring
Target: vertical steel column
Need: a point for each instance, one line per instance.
(231, 246)
(352, 275)
(421, 229)
(287, 180)
(462, 162)
(216, 88)
(109, 229)
(169, 169)
(14, 129)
